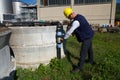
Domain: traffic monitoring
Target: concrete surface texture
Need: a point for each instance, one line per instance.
(7, 63)
(33, 45)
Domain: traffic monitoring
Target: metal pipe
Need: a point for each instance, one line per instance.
(59, 34)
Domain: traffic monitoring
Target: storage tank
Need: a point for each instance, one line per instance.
(5, 8)
(17, 7)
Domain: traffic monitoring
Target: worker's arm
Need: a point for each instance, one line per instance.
(74, 26)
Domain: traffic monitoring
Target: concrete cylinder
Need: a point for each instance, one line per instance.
(33, 45)
(7, 66)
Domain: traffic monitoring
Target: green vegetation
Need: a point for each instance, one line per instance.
(106, 48)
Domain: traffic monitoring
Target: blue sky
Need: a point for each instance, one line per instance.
(34, 1)
(29, 1)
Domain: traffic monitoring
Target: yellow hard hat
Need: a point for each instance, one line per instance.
(67, 12)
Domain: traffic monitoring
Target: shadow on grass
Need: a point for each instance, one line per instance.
(69, 55)
(86, 75)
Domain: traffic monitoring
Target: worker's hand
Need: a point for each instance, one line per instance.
(61, 39)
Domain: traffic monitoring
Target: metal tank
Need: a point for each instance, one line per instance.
(5, 8)
(17, 7)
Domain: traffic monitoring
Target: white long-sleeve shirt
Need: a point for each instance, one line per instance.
(74, 26)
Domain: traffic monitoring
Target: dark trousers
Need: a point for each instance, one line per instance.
(86, 48)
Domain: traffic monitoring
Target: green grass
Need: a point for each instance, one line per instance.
(106, 47)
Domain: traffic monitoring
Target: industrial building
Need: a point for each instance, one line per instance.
(29, 13)
(14, 10)
(24, 12)
(96, 11)
(6, 10)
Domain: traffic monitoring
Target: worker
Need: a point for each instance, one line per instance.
(84, 33)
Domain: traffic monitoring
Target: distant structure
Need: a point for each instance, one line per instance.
(15, 11)
(24, 12)
(17, 7)
(29, 13)
(96, 11)
(6, 10)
